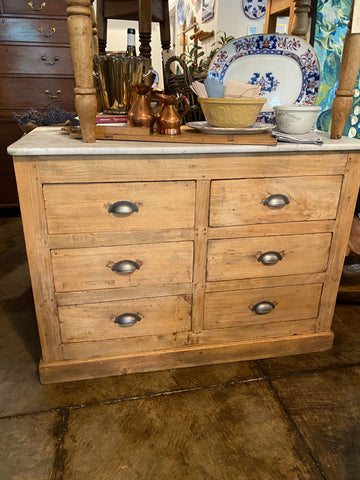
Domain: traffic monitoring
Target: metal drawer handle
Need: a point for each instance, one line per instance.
(270, 258)
(123, 209)
(275, 202)
(127, 319)
(37, 9)
(50, 62)
(55, 95)
(262, 308)
(51, 31)
(125, 267)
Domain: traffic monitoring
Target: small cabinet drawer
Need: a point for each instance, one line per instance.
(23, 93)
(39, 60)
(260, 306)
(39, 30)
(119, 207)
(34, 7)
(122, 266)
(274, 200)
(236, 258)
(124, 319)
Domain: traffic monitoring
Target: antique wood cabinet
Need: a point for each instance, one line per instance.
(148, 256)
(36, 72)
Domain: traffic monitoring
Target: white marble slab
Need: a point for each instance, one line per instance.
(51, 141)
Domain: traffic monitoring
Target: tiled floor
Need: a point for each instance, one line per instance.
(291, 418)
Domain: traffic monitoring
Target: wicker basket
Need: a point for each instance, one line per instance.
(179, 84)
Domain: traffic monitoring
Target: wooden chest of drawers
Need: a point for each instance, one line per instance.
(36, 72)
(143, 260)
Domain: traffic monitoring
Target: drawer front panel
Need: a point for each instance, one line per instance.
(146, 264)
(34, 7)
(229, 309)
(84, 208)
(236, 258)
(23, 93)
(38, 30)
(102, 321)
(40, 60)
(241, 202)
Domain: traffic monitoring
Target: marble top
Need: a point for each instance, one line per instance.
(51, 141)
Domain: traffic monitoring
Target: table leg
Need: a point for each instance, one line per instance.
(80, 36)
(349, 70)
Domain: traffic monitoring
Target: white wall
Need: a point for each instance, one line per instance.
(228, 18)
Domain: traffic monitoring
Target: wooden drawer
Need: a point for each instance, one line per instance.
(102, 321)
(38, 30)
(93, 268)
(229, 309)
(83, 208)
(25, 93)
(34, 7)
(40, 60)
(235, 258)
(241, 202)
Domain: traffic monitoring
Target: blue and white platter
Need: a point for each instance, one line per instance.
(286, 68)
(254, 9)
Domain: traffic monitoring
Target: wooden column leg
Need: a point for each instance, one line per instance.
(301, 20)
(145, 17)
(80, 35)
(95, 37)
(349, 70)
(165, 27)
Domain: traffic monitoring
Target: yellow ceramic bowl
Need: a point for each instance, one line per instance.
(231, 112)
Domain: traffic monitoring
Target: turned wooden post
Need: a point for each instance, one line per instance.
(81, 38)
(301, 22)
(349, 70)
(95, 36)
(145, 17)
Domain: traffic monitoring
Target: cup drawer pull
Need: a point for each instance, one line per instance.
(270, 258)
(262, 308)
(125, 267)
(275, 202)
(122, 209)
(127, 319)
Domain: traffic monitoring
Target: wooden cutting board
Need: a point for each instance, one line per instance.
(188, 135)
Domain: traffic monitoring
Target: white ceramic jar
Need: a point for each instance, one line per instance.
(295, 119)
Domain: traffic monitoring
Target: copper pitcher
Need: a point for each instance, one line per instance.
(168, 118)
(141, 113)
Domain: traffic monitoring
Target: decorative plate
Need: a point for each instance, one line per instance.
(180, 13)
(257, 127)
(286, 68)
(254, 9)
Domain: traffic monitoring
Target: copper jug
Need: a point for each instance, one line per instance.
(168, 118)
(141, 113)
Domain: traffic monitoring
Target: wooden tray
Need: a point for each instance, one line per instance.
(188, 135)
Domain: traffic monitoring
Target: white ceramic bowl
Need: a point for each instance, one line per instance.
(295, 119)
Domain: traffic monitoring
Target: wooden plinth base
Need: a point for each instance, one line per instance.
(195, 356)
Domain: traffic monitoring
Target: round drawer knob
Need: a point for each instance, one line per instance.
(262, 308)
